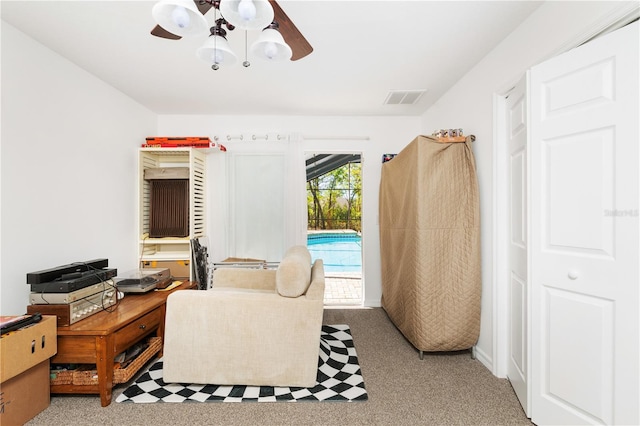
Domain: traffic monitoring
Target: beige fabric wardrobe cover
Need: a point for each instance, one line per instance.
(430, 244)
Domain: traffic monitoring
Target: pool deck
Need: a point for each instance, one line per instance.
(343, 288)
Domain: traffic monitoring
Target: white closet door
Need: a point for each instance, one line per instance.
(585, 235)
(516, 123)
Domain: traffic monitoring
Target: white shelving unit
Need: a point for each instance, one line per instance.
(172, 249)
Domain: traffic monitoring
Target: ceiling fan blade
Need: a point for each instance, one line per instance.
(294, 38)
(203, 7)
(158, 31)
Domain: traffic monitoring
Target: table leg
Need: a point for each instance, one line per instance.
(160, 330)
(104, 365)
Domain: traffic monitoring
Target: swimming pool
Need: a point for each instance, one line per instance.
(340, 252)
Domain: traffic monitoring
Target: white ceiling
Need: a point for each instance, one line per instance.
(362, 50)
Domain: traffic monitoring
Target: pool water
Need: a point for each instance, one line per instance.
(339, 252)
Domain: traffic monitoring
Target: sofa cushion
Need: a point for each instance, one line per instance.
(294, 272)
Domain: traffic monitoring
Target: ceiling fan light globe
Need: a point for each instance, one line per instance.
(236, 12)
(247, 10)
(180, 17)
(270, 50)
(216, 50)
(271, 46)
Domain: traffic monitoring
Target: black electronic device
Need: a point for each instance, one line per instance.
(65, 298)
(18, 322)
(52, 274)
(143, 280)
(84, 279)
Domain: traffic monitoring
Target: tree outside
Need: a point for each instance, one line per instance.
(334, 200)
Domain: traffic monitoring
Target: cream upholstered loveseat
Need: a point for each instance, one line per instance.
(256, 327)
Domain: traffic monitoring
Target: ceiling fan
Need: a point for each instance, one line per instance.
(298, 44)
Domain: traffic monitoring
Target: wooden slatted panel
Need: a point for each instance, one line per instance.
(146, 162)
(198, 196)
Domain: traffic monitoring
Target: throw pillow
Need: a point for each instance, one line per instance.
(294, 272)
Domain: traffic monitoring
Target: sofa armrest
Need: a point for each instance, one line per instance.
(316, 287)
(260, 279)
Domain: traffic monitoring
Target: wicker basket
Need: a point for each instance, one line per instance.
(61, 377)
(85, 375)
(88, 375)
(123, 375)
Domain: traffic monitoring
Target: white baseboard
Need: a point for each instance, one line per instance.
(368, 303)
(486, 360)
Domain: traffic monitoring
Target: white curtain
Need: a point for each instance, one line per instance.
(267, 201)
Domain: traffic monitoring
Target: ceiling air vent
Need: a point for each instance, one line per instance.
(403, 97)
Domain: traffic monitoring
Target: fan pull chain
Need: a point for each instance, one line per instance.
(246, 62)
(215, 65)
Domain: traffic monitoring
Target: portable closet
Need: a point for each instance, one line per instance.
(430, 243)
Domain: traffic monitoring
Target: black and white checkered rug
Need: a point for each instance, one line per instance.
(339, 379)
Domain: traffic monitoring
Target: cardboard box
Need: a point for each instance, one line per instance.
(180, 269)
(25, 395)
(163, 173)
(178, 142)
(22, 349)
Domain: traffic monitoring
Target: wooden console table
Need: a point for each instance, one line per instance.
(100, 337)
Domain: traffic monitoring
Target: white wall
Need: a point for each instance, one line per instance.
(551, 29)
(308, 134)
(69, 167)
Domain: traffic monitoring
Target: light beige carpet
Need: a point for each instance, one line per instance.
(442, 389)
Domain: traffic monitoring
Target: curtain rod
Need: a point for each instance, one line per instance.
(335, 138)
(254, 137)
(280, 137)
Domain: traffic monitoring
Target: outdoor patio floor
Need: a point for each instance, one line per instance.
(343, 288)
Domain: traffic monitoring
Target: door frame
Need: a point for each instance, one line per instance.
(501, 229)
(306, 151)
(501, 234)
(502, 223)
